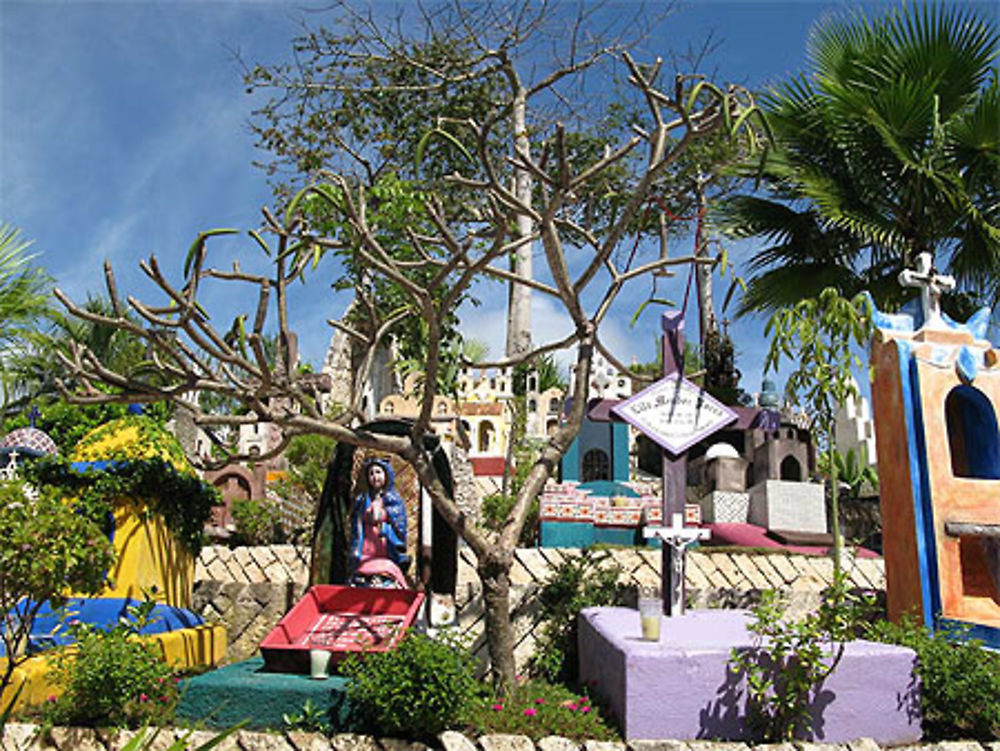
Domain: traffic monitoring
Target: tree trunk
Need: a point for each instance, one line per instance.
(834, 501)
(703, 272)
(519, 302)
(494, 572)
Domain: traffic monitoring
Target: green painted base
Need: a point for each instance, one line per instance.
(242, 691)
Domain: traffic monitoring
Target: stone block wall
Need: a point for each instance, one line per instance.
(778, 504)
(23, 737)
(249, 589)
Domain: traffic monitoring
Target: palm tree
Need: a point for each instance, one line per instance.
(888, 147)
(24, 302)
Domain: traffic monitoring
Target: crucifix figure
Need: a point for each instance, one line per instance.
(679, 538)
(932, 285)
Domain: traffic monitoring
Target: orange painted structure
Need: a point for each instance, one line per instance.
(936, 396)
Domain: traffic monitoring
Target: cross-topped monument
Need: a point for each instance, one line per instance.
(932, 285)
(676, 414)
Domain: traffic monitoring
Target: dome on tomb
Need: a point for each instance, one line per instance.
(28, 441)
(769, 396)
(721, 451)
(131, 438)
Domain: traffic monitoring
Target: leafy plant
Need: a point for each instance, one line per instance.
(73, 556)
(820, 333)
(496, 508)
(538, 709)
(311, 719)
(258, 522)
(853, 473)
(113, 678)
(960, 681)
(308, 457)
(422, 687)
(790, 659)
(577, 583)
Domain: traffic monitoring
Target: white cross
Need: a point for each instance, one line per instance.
(9, 472)
(931, 285)
(680, 538)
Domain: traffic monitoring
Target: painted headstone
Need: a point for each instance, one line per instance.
(936, 395)
(675, 413)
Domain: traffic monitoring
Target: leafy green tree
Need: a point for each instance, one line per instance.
(73, 557)
(887, 147)
(822, 334)
(308, 458)
(391, 99)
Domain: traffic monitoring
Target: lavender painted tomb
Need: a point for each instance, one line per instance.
(681, 688)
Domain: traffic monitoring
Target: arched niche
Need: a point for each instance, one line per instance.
(435, 561)
(791, 469)
(596, 466)
(973, 437)
(485, 436)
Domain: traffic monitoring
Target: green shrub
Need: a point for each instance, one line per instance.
(538, 709)
(960, 681)
(114, 679)
(47, 549)
(422, 687)
(577, 583)
(257, 522)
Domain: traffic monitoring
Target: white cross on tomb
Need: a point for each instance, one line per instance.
(932, 285)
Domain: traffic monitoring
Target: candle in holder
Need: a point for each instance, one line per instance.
(650, 613)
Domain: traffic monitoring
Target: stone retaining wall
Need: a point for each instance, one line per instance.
(249, 589)
(20, 737)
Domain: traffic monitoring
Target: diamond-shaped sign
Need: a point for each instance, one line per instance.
(675, 413)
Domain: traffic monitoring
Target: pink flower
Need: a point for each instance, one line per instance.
(572, 707)
(539, 700)
(50, 697)
(530, 712)
(584, 709)
(584, 700)
(143, 697)
(164, 699)
(497, 707)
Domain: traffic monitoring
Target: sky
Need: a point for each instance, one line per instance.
(123, 133)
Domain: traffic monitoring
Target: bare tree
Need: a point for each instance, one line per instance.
(442, 257)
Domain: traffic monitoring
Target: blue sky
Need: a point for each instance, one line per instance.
(123, 133)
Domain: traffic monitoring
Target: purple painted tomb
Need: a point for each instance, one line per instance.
(681, 688)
